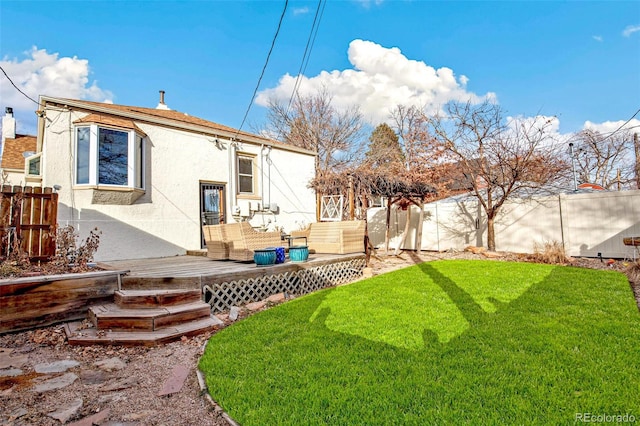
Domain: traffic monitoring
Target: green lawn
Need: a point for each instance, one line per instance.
(448, 342)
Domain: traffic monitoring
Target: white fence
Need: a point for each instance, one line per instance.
(588, 224)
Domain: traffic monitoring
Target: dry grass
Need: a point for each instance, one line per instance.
(633, 272)
(72, 255)
(550, 252)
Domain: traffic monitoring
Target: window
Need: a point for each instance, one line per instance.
(106, 156)
(245, 174)
(32, 167)
(113, 150)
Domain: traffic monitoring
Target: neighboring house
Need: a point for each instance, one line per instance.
(149, 178)
(15, 148)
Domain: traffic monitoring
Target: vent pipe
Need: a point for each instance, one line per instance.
(162, 105)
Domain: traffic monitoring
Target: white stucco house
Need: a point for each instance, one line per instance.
(148, 178)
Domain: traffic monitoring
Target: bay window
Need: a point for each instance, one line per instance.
(107, 156)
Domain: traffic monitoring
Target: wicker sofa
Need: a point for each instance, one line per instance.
(334, 237)
(237, 241)
(217, 244)
(243, 240)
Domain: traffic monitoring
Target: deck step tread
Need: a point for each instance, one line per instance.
(152, 292)
(113, 310)
(92, 336)
(156, 298)
(113, 317)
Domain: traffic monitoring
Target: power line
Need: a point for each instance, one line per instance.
(315, 34)
(605, 136)
(17, 88)
(307, 50)
(255, 91)
(625, 123)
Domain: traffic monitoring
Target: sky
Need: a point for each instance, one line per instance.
(576, 60)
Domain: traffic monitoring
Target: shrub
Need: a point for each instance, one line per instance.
(71, 255)
(633, 272)
(550, 252)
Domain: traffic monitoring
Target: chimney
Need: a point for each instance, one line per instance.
(162, 105)
(8, 124)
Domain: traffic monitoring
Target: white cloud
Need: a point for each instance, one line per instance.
(42, 73)
(611, 126)
(550, 123)
(381, 78)
(597, 38)
(630, 30)
(531, 126)
(300, 11)
(367, 3)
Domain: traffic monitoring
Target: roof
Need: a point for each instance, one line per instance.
(12, 157)
(170, 118)
(109, 120)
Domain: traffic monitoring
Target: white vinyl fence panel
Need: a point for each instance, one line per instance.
(588, 224)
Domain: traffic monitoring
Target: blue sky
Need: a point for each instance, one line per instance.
(577, 60)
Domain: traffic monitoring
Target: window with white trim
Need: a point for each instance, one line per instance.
(32, 165)
(245, 174)
(108, 156)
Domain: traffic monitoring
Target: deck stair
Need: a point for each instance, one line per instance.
(145, 317)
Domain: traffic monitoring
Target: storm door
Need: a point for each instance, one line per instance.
(211, 205)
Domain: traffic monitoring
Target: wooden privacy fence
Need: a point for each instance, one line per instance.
(28, 220)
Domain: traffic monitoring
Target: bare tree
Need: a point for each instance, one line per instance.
(605, 161)
(499, 159)
(424, 163)
(313, 123)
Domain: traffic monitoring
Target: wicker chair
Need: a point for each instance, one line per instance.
(217, 244)
(334, 237)
(243, 240)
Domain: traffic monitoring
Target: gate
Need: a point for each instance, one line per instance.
(331, 208)
(28, 217)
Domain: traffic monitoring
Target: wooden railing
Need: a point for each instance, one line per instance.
(28, 221)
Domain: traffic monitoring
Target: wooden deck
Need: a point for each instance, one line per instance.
(229, 283)
(197, 266)
(153, 301)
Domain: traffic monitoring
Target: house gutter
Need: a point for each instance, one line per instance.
(248, 138)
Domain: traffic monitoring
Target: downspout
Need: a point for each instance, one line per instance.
(40, 139)
(269, 173)
(231, 162)
(262, 183)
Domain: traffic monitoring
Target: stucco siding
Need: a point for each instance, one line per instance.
(165, 221)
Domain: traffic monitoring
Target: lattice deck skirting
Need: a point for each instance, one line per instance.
(300, 279)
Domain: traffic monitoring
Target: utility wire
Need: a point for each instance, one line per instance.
(255, 91)
(604, 137)
(625, 123)
(315, 34)
(307, 50)
(17, 88)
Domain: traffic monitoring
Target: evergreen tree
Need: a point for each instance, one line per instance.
(384, 148)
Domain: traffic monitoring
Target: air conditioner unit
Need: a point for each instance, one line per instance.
(245, 209)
